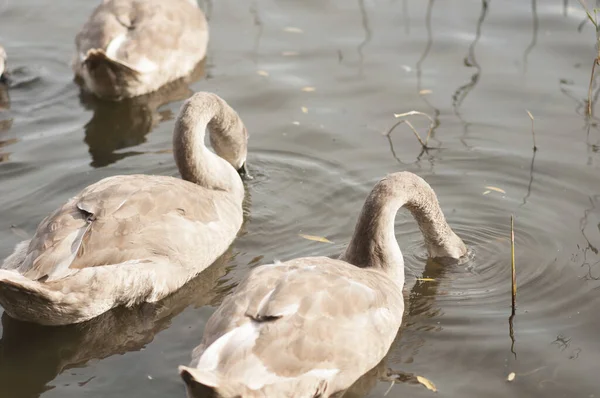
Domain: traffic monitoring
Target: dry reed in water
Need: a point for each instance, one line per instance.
(514, 274)
(532, 130)
(597, 58)
(409, 124)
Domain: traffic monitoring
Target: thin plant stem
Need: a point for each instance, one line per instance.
(590, 87)
(514, 274)
(532, 130)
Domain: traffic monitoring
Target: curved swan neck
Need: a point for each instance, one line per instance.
(195, 161)
(374, 243)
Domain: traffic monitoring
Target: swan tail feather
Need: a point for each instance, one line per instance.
(204, 383)
(109, 77)
(25, 299)
(98, 59)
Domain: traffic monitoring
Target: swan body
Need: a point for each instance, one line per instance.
(310, 327)
(132, 47)
(135, 238)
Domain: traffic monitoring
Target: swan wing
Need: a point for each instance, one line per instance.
(126, 218)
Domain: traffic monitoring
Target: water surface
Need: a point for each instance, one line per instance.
(474, 66)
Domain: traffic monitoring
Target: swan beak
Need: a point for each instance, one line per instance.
(243, 171)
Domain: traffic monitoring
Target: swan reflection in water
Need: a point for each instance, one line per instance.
(32, 355)
(115, 126)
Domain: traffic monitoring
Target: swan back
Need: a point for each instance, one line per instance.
(298, 328)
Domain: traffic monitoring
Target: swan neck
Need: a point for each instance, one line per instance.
(374, 243)
(196, 163)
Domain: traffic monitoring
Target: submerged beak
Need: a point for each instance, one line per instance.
(243, 171)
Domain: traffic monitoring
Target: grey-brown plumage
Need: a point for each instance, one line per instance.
(135, 238)
(132, 47)
(310, 327)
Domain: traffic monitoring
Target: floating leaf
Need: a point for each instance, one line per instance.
(425, 92)
(427, 383)
(290, 53)
(292, 29)
(304, 109)
(262, 73)
(315, 238)
(426, 279)
(495, 189)
(486, 192)
(296, 123)
(511, 376)
(406, 68)
(308, 89)
(529, 113)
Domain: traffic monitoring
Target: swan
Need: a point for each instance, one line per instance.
(2, 65)
(135, 238)
(310, 327)
(132, 47)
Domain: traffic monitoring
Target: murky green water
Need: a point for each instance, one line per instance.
(475, 66)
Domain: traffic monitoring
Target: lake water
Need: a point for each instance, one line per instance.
(475, 66)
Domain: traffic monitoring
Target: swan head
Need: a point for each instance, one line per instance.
(230, 141)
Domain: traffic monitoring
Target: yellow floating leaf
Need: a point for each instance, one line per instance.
(308, 89)
(262, 73)
(427, 383)
(426, 279)
(496, 189)
(511, 376)
(315, 238)
(486, 192)
(296, 123)
(304, 109)
(425, 92)
(292, 29)
(529, 113)
(290, 53)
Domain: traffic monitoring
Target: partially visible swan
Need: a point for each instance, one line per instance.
(135, 238)
(312, 326)
(2, 65)
(132, 47)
